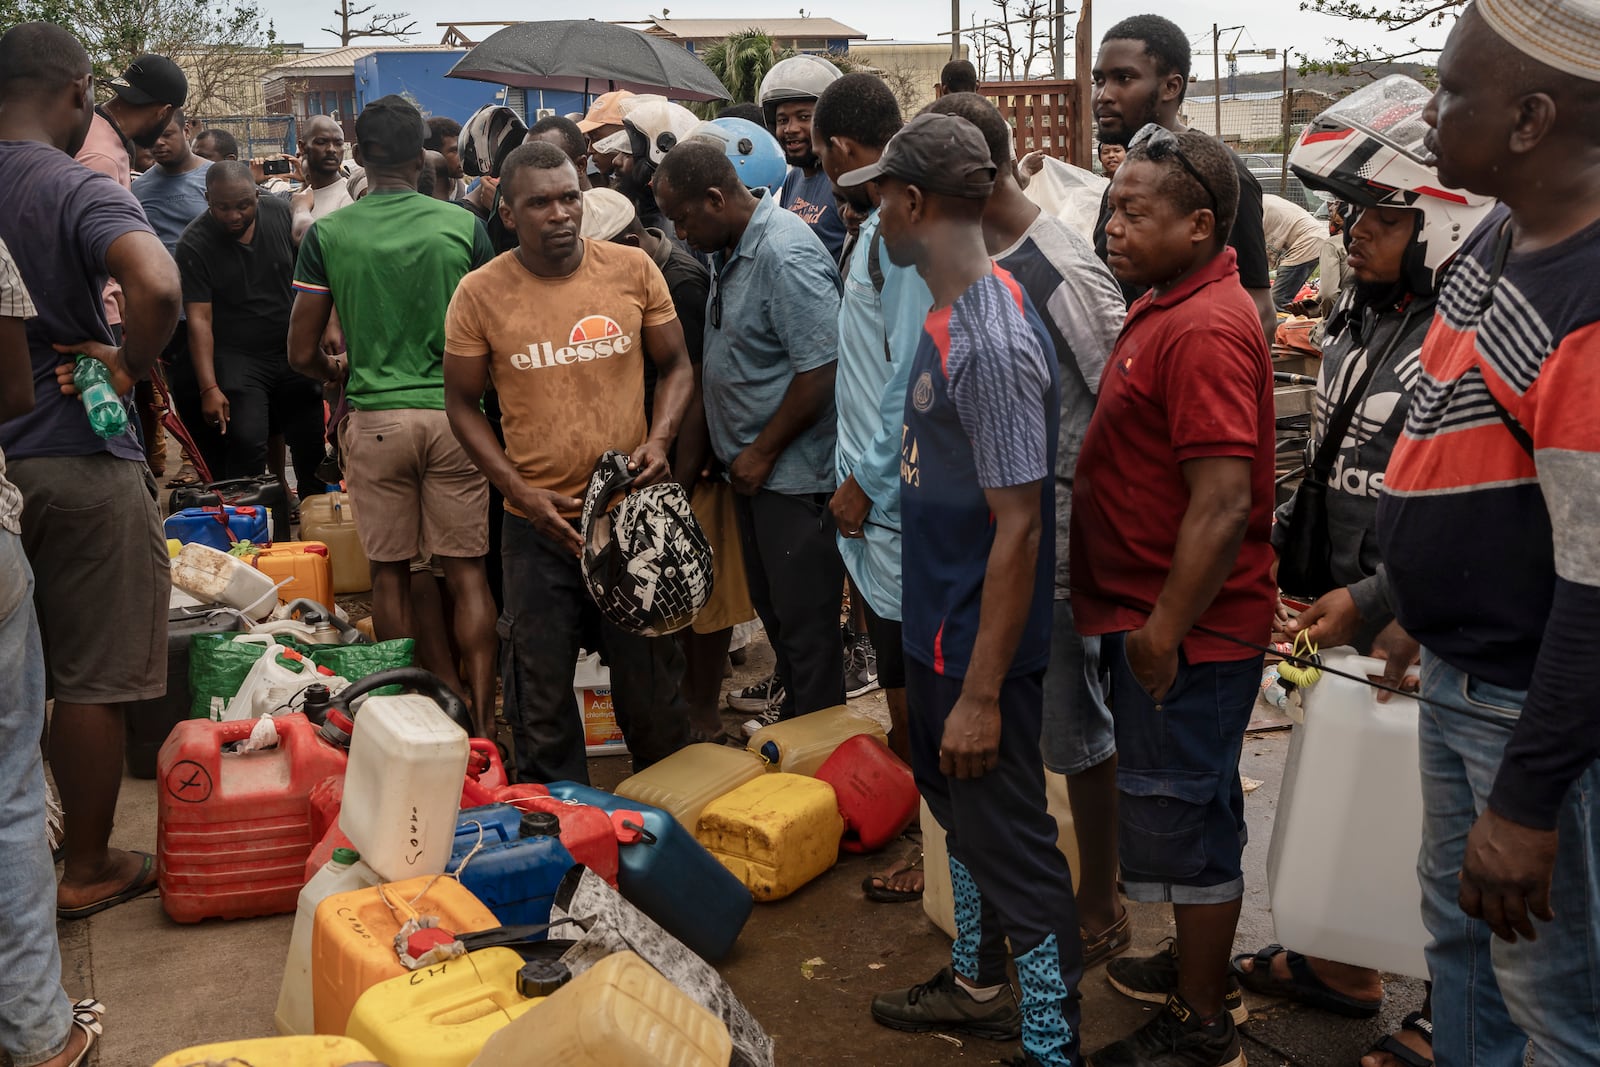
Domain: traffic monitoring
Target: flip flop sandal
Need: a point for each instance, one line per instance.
(86, 1017)
(882, 894)
(1111, 941)
(1417, 1023)
(138, 887)
(1303, 984)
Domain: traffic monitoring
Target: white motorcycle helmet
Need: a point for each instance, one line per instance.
(651, 127)
(646, 562)
(1367, 150)
(795, 78)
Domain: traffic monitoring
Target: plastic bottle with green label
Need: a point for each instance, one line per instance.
(107, 416)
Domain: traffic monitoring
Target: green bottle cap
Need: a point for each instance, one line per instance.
(345, 856)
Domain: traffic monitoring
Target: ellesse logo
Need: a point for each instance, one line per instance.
(594, 337)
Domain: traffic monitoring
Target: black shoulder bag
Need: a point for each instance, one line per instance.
(1305, 564)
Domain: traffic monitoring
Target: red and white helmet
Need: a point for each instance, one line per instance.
(1367, 150)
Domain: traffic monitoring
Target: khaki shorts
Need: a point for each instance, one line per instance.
(101, 577)
(414, 488)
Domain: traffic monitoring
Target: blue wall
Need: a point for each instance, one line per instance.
(421, 76)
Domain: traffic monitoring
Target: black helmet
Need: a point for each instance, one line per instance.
(647, 563)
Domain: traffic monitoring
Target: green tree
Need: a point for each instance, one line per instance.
(1405, 18)
(224, 46)
(740, 61)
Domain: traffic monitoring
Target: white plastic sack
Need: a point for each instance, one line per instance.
(1070, 193)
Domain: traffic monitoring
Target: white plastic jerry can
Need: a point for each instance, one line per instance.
(402, 789)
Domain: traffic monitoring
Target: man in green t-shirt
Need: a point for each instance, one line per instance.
(389, 264)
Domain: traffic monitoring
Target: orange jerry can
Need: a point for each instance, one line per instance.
(306, 566)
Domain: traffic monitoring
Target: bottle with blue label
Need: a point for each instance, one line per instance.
(107, 416)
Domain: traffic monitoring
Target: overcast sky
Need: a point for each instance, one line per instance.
(1268, 23)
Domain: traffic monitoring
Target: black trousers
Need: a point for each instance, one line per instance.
(178, 368)
(547, 606)
(266, 397)
(796, 578)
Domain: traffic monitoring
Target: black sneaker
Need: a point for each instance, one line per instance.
(860, 666)
(941, 1004)
(1153, 979)
(1175, 1038)
(754, 699)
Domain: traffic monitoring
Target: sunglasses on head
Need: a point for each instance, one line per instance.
(1158, 143)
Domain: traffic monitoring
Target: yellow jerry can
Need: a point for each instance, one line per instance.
(775, 833)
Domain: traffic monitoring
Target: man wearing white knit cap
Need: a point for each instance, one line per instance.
(1503, 438)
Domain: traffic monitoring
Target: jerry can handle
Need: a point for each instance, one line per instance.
(413, 678)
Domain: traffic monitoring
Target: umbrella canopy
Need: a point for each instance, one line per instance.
(584, 56)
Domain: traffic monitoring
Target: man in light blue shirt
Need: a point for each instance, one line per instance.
(173, 192)
(880, 325)
(771, 345)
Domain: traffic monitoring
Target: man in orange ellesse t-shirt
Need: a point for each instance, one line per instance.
(562, 326)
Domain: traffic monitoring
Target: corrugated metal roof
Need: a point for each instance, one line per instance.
(705, 29)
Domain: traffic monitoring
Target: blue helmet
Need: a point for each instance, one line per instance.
(754, 152)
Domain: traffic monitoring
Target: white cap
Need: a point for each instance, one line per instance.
(1564, 34)
(606, 213)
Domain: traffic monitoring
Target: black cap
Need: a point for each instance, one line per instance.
(942, 154)
(540, 978)
(152, 79)
(540, 824)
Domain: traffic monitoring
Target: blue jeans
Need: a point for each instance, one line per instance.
(1180, 807)
(1078, 732)
(1290, 281)
(1490, 998)
(35, 1015)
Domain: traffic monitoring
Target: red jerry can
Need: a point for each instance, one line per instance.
(877, 795)
(233, 830)
(586, 831)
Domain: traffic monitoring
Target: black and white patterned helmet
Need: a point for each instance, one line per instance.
(646, 562)
(488, 138)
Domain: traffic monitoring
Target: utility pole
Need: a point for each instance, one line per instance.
(955, 29)
(1216, 79)
(1283, 175)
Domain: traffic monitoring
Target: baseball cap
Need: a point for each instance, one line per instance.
(942, 154)
(605, 111)
(152, 79)
(606, 213)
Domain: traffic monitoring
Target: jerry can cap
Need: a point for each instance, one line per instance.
(540, 824)
(346, 856)
(540, 978)
(770, 753)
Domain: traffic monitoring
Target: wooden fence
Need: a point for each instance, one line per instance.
(1046, 114)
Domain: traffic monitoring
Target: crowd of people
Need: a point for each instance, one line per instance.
(1033, 468)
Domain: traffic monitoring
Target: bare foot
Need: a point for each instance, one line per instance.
(1361, 983)
(122, 869)
(904, 876)
(1410, 1039)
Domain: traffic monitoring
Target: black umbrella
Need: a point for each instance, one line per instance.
(584, 56)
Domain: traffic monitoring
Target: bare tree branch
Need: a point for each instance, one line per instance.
(384, 24)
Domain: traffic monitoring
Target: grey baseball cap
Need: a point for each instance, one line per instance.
(942, 154)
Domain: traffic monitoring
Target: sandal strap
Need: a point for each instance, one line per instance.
(86, 1013)
(1300, 970)
(1265, 956)
(1390, 1045)
(1419, 1023)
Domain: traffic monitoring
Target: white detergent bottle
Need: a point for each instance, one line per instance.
(402, 790)
(344, 873)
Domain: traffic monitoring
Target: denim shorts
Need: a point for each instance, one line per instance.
(1078, 733)
(1182, 830)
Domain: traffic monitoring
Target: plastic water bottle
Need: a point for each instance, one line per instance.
(107, 416)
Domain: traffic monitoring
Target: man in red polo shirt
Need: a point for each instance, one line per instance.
(1171, 567)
